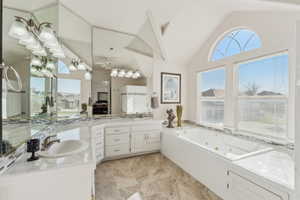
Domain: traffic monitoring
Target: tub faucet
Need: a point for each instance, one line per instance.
(48, 142)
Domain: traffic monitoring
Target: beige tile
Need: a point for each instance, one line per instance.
(153, 176)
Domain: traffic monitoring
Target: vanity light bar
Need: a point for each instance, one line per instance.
(122, 73)
(36, 38)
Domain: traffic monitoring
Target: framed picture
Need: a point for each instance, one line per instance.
(170, 88)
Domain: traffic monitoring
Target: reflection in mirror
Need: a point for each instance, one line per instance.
(73, 69)
(29, 50)
(116, 58)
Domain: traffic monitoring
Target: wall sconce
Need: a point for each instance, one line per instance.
(36, 37)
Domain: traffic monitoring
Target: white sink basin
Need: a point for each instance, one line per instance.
(65, 148)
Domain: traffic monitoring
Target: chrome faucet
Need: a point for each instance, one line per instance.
(48, 142)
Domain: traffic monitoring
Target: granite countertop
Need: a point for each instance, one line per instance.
(276, 166)
(69, 130)
(73, 132)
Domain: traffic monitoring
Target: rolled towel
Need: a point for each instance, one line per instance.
(154, 102)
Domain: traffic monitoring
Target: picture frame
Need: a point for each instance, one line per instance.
(170, 88)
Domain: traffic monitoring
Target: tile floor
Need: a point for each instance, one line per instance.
(154, 176)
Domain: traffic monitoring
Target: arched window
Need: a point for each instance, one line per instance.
(236, 42)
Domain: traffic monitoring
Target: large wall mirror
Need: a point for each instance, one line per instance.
(102, 72)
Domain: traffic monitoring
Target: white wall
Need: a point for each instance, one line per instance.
(277, 32)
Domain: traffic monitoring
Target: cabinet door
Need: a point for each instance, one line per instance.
(242, 189)
(138, 142)
(146, 141)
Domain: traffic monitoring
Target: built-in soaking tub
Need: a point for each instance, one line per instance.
(207, 154)
(227, 146)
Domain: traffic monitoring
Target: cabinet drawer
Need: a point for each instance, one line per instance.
(242, 189)
(149, 127)
(117, 130)
(117, 139)
(117, 150)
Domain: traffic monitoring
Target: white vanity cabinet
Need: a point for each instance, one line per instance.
(117, 141)
(98, 142)
(241, 188)
(132, 139)
(145, 138)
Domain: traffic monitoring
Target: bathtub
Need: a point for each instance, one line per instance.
(227, 146)
(207, 155)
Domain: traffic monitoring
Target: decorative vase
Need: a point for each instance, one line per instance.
(179, 114)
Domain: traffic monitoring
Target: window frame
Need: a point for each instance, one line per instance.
(201, 98)
(66, 77)
(223, 36)
(237, 97)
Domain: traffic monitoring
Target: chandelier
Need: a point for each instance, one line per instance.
(39, 39)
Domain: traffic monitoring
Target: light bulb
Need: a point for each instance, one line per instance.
(114, 73)
(50, 65)
(129, 74)
(121, 73)
(81, 66)
(46, 34)
(72, 67)
(136, 75)
(18, 30)
(33, 70)
(88, 75)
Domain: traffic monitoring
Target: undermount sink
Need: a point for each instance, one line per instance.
(65, 148)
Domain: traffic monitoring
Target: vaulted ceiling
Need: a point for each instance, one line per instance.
(191, 21)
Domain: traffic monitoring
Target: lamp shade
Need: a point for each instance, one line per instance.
(41, 52)
(72, 67)
(50, 65)
(81, 66)
(114, 73)
(121, 73)
(18, 30)
(47, 34)
(28, 40)
(136, 75)
(35, 61)
(129, 74)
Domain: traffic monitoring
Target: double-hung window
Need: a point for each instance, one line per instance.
(211, 93)
(263, 96)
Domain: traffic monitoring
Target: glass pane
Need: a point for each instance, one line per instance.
(266, 117)
(68, 97)
(265, 77)
(37, 87)
(236, 42)
(212, 112)
(212, 83)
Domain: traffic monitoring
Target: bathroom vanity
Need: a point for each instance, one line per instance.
(72, 176)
